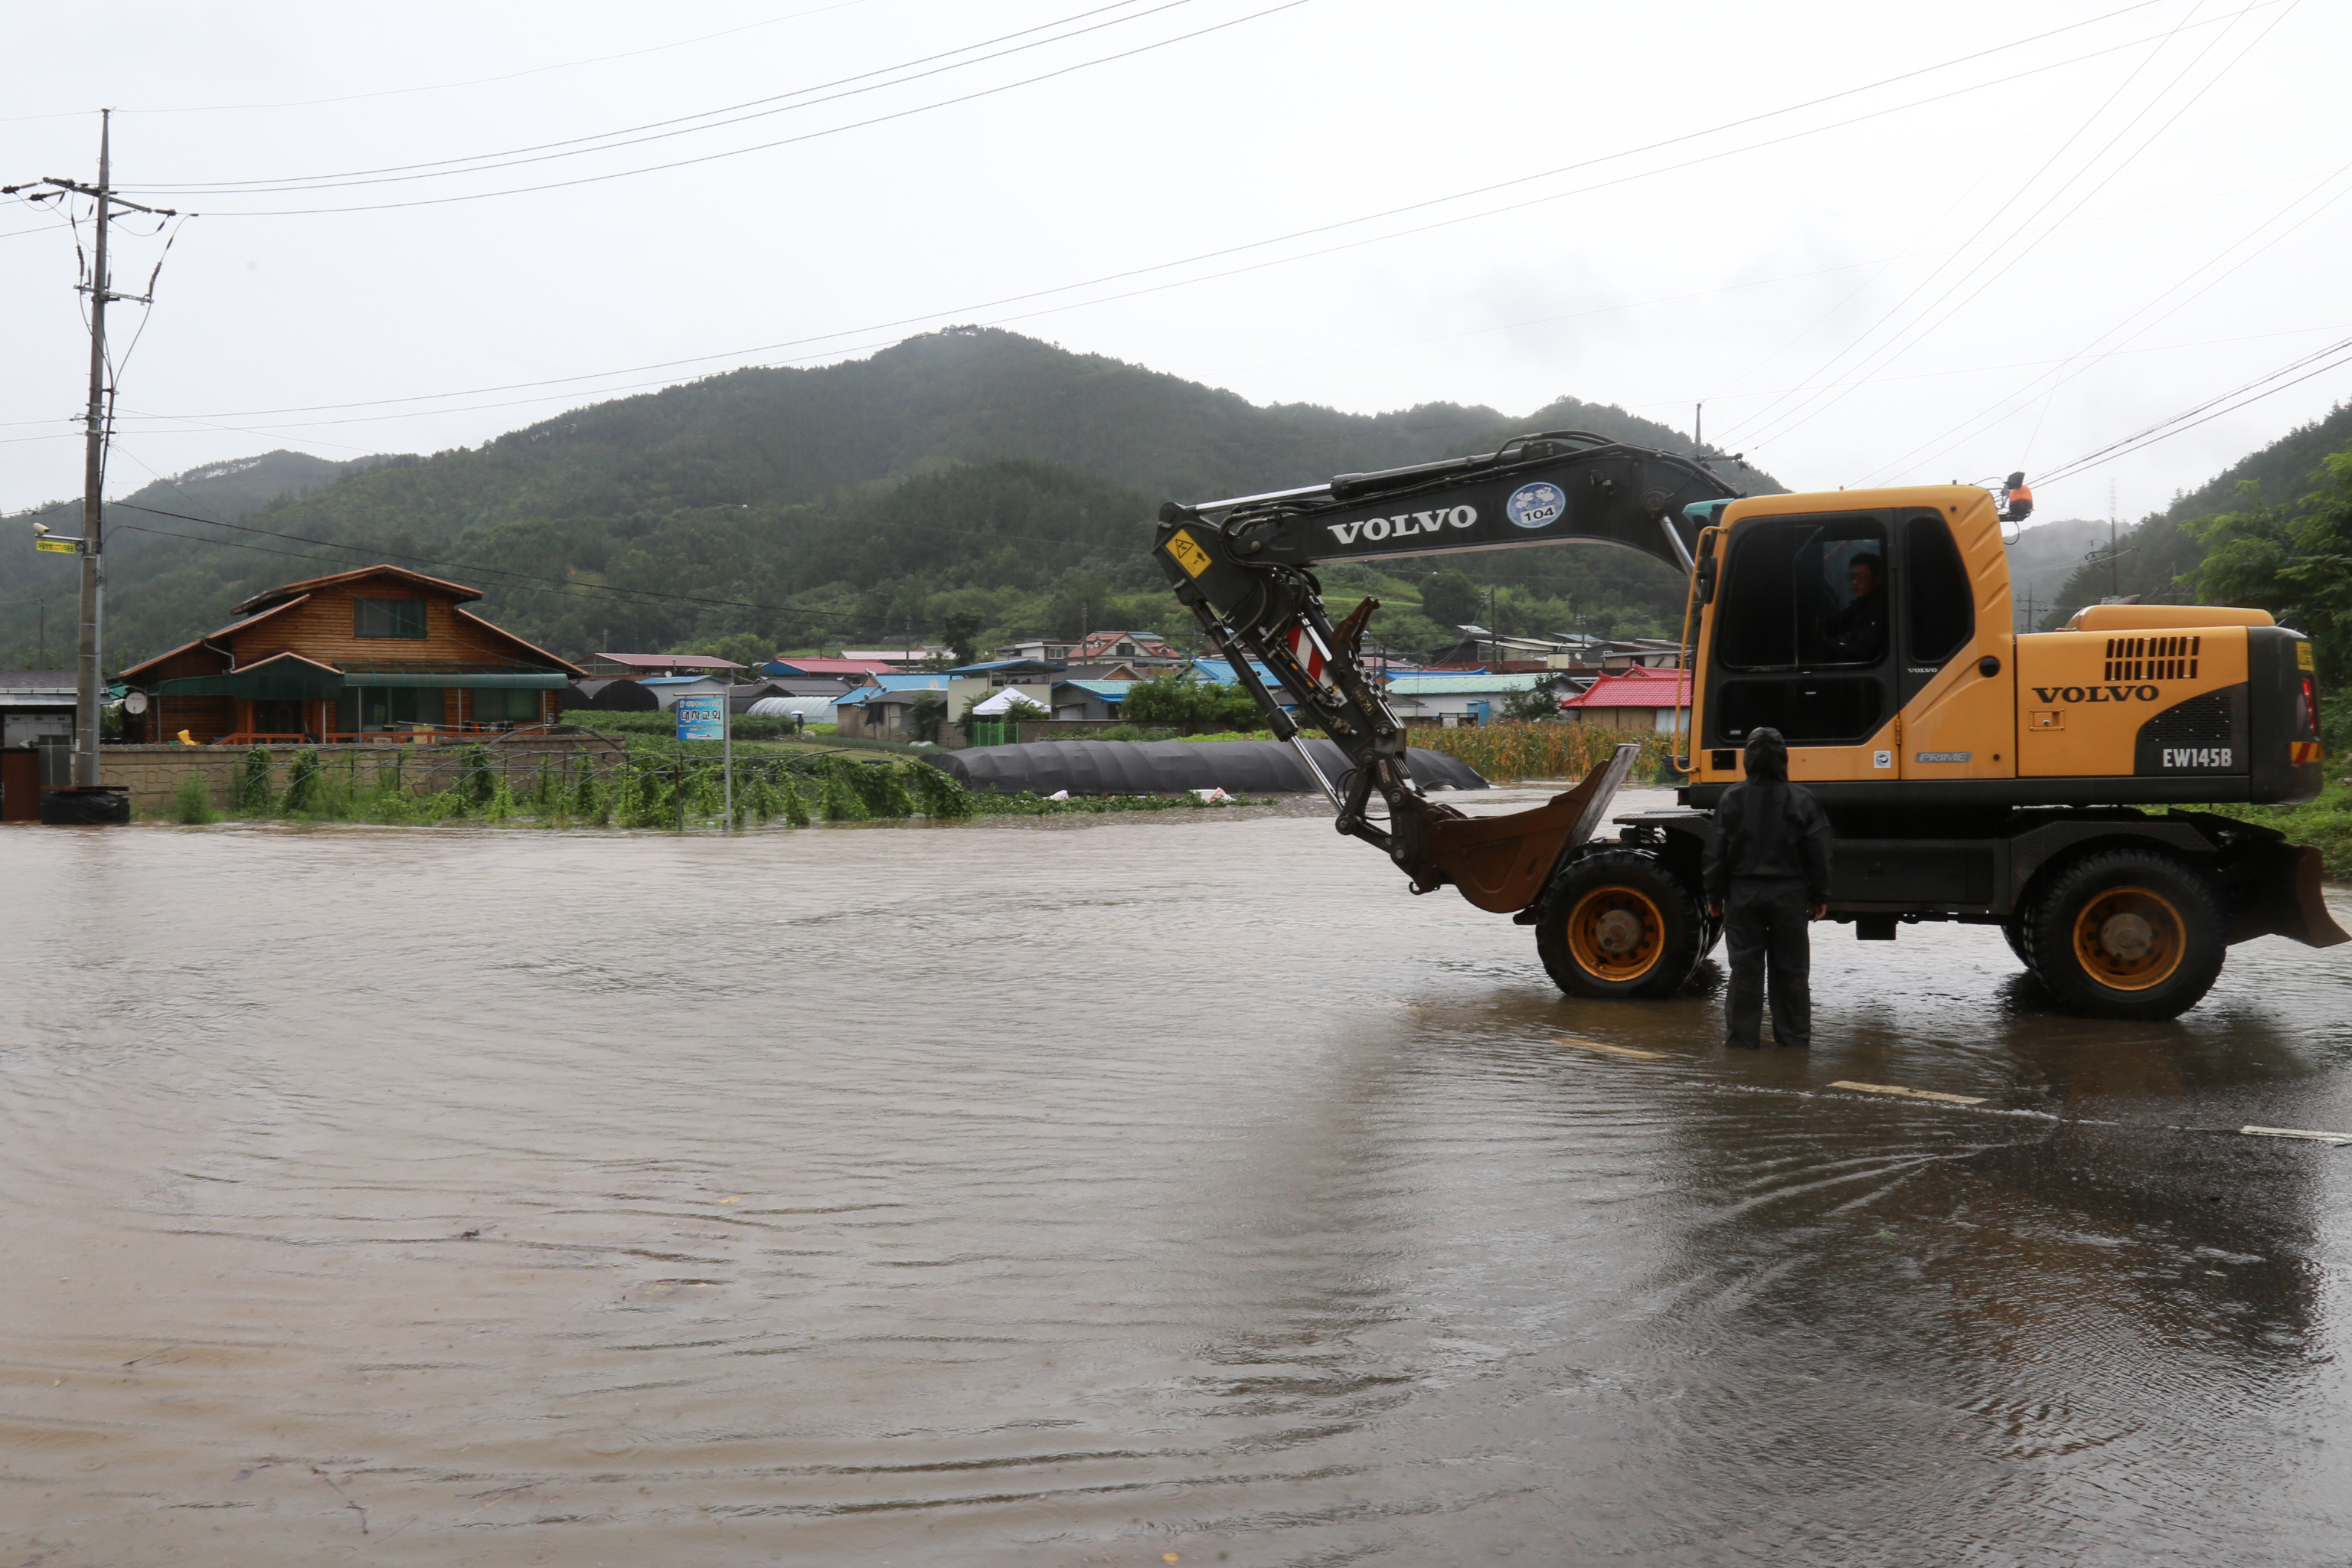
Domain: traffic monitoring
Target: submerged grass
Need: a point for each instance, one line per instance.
(657, 783)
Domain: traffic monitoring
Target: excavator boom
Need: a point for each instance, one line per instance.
(1244, 566)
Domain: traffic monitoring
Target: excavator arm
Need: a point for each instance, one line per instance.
(1244, 567)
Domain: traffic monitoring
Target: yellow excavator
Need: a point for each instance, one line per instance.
(2044, 783)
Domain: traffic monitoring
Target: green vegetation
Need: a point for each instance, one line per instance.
(2164, 551)
(657, 784)
(974, 483)
(2294, 560)
(2326, 823)
(1188, 706)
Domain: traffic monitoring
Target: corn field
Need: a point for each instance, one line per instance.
(1506, 754)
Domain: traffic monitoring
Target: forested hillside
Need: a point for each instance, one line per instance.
(2161, 552)
(970, 472)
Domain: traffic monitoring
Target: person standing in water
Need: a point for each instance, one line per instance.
(1767, 877)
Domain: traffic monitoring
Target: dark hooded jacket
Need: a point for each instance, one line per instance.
(1766, 826)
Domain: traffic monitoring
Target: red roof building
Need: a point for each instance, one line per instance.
(636, 666)
(854, 670)
(1635, 700)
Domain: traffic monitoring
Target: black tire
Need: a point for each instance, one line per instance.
(2012, 932)
(2082, 942)
(1619, 923)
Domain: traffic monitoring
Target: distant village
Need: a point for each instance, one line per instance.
(382, 655)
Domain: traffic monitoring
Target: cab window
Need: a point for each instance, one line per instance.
(1937, 604)
(1803, 595)
(1802, 632)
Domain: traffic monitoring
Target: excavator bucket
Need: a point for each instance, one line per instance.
(1501, 863)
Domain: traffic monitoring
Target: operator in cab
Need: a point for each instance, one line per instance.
(1858, 634)
(1767, 877)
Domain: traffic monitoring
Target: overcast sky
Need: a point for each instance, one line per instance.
(2009, 261)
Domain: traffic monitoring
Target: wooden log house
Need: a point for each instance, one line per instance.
(380, 654)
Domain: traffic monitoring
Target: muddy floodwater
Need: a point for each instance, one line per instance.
(1117, 1190)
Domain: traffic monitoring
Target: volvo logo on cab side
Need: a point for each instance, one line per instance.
(2096, 693)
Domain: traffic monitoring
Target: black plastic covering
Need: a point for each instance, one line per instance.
(1173, 767)
(91, 805)
(610, 697)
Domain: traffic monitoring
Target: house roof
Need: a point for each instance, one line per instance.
(908, 693)
(1459, 684)
(278, 601)
(1108, 691)
(924, 680)
(996, 665)
(1635, 689)
(242, 622)
(667, 660)
(676, 679)
(267, 598)
(43, 682)
(1221, 670)
(827, 667)
(1098, 644)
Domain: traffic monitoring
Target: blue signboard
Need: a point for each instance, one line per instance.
(701, 717)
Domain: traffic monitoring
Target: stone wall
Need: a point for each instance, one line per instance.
(153, 774)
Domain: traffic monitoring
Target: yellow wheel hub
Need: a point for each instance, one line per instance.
(1615, 933)
(2130, 939)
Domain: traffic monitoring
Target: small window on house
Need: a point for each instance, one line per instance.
(388, 617)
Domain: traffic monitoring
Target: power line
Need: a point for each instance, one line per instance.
(2187, 418)
(1311, 232)
(447, 86)
(781, 141)
(2086, 361)
(1911, 334)
(2019, 253)
(516, 156)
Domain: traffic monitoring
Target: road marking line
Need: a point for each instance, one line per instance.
(1612, 1051)
(2297, 1132)
(1909, 1093)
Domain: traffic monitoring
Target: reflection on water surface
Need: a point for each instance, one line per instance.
(1087, 1192)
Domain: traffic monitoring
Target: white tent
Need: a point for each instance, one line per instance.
(1003, 704)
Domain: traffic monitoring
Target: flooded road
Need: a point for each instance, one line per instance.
(1123, 1189)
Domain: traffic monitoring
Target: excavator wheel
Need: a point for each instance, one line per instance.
(2127, 934)
(2013, 932)
(1619, 923)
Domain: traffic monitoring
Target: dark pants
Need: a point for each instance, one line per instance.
(1764, 928)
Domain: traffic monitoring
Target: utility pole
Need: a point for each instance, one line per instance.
(2114, 559)
(89, 685)
(1698, 428)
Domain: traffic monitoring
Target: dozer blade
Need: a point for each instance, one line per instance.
(2279, 894)
(1501, 863)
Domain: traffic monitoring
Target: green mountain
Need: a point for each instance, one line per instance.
(970, 472)
(2157, 554)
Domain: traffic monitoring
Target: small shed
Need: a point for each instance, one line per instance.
(669, 690)
(1632, 701)
(1454, 700)
(1096, 700)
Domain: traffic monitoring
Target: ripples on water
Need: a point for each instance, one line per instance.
(1085, 1193)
